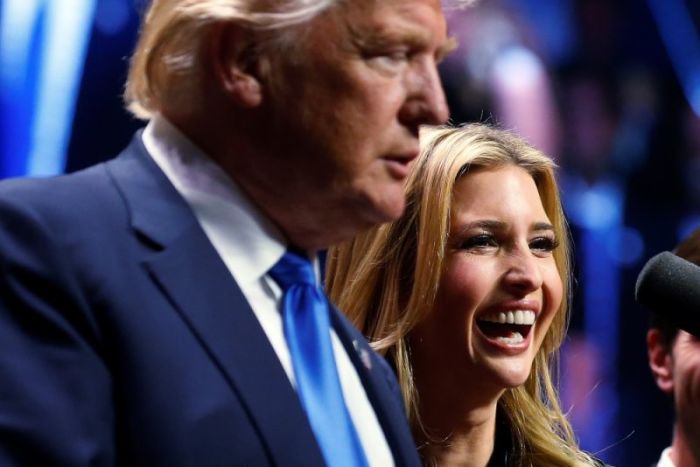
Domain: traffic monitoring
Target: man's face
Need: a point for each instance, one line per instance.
(678, 373)
(686, 384)
(345, 112)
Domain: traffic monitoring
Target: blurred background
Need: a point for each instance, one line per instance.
(610, 89)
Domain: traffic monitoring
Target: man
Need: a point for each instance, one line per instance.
(143, 316)
(674, 358)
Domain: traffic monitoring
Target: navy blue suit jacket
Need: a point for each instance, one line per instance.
(124, 339)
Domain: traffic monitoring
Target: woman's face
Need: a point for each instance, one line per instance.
(500, 286)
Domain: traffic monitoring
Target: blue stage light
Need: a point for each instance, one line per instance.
(42, 52)
(112, 16)
(682, 41)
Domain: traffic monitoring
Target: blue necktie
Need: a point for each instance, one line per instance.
(307, 330)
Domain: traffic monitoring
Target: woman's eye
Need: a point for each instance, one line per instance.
(479, 242)
(545, 244)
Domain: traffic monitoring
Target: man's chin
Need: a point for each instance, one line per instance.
(388, 210)
(366, 212)
(391, 205)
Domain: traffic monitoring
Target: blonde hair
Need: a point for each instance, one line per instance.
(166, 63)
(387, 279)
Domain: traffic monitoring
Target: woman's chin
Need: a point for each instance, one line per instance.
(508, 374)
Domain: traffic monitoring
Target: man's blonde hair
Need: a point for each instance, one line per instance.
(166, 64)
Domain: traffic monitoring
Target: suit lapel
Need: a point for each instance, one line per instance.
(377, 382)
(193, 277)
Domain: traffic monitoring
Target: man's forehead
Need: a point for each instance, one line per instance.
(445, 5)
(377, 21)
(376, 9)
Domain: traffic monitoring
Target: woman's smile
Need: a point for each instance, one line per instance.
(507, 326)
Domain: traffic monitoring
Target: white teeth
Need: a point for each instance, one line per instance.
(515, 338)
(525, 317)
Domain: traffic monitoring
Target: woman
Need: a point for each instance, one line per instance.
(466, 295)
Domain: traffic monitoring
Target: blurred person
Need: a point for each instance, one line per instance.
(163, 308)
(501, 65)
(466, 295)
(674, 359)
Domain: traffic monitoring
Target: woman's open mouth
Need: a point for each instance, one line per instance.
(507, 327)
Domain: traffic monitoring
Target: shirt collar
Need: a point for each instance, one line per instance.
(252, 243)
(665, 460)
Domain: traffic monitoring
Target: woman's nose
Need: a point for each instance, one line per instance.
(523, 273)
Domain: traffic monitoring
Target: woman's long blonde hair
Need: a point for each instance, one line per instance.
(387, 279)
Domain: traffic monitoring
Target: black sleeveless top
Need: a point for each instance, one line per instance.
(503, 446)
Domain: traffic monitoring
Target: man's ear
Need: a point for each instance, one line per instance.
(660, 361)
(234, 64)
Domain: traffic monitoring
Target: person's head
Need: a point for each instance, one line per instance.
(483, 234)
(312, 106)
(674, 359)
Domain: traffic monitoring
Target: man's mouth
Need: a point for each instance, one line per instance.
(398, 165)
(508, 327)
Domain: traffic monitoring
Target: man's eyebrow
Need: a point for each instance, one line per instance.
(449, 46)
(386, 36)
(383, 37)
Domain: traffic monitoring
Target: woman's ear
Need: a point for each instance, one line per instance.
(234, 64)
(660, 360)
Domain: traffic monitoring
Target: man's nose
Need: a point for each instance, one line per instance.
(426, 103)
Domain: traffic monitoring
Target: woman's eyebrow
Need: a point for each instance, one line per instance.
(485, 224)
(539, 226)
(497, 225)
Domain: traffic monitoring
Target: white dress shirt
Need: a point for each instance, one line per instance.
(249, 245)
(665, 460)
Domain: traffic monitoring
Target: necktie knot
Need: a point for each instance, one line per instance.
(293, 268)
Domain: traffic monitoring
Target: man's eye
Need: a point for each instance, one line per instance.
(545, 244)
(479, 242)
(390, 60)
(397, 56)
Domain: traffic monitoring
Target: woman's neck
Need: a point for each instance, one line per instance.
(458, 430)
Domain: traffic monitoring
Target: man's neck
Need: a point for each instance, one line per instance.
(683, 452)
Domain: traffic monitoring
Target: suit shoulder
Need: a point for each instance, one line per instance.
(35, 189)
(62, 198)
